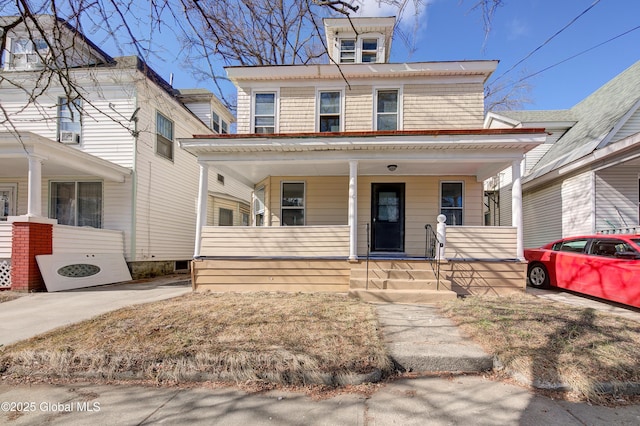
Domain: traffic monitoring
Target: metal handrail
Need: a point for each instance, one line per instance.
(368, 251)
(432, 251)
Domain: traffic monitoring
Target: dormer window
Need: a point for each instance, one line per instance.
(370, 50)
(26, 54)
(347, 51)
(360, 50)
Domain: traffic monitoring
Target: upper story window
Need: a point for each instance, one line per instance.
(451, 202)
(224, 126)
(69, 121)
(329, 112)
(264, 114)
(359, 50)
(387, 110)
(164, 136)
(26, 54)
(215, 122)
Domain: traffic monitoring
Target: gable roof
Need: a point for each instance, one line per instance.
(598, 118)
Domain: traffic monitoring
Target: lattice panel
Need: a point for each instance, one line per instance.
(5, 273)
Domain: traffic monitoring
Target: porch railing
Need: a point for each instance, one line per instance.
(432, 248)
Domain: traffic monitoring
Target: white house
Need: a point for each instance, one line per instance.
(349, 162)
(96, 157)
(586, 178)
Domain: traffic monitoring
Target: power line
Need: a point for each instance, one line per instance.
(547, 40)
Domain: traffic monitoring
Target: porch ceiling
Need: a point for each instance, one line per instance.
(57, 159)
(250, 158)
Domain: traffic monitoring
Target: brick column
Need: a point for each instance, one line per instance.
(30, 237)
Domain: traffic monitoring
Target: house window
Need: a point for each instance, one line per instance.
(245, 219)
(329, 112)
(387, 110)
(347, 51)
(369, 50)
(258, 206)
(225, 218)
(220, 179)
(451, 194)
(265, 113)
(27, 54)
(225, 127)
(69, 121)
(164, 136)
(76, 203)
(215, 122)
(292, 203)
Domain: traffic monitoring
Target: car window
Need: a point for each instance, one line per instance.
(609, 247)
(636, 240)
(576, 246)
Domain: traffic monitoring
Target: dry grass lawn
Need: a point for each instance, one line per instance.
(292, 339)
(550, 343)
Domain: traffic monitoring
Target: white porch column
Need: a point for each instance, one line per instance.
(353, 210)
(516, 207)
(201, 216)
(34, 202)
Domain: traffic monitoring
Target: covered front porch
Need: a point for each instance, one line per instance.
(407, 204)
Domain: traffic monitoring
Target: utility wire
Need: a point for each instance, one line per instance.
(547, 41)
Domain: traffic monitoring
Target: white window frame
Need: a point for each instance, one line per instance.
(37, 55)
(304, 202)
(276, 107)
(354, 51)
(341, 113)
(75, 204)
(215, 122)
(375, 105)
(158, 136)
(75, 111)
(380, 56)
(462, 208)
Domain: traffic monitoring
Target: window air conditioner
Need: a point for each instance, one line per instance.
(67, 137)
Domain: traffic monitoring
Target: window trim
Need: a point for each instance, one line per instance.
(304, 202)
(76, 184)
(227, 211)
(276, 109)
(171, 141)
(378, 89)
(462, 208)
(10, 55)
(359, 38)
(341, 114)
(215, 122)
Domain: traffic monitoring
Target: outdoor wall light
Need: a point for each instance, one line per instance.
(392, 167)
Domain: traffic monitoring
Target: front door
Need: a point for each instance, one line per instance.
(7, 201)
(387, 217)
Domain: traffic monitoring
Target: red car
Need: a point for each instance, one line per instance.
(604, 266)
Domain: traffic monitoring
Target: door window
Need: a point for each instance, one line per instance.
(7, 201)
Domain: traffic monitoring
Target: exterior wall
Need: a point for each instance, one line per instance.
(5, 240)
(443, 106)
(577, 205)
(73, 240)
(29, 240)
(217, 203)
(265, 241)
(617, 197)
(358, 108)
(485, 278)
(297, 109)
(243, 110)
(481, 242)
(271, 275)
(631, 127)
(542, 213)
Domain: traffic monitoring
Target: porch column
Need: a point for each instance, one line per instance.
(201, 216)
(516, 207)
(353, 210)
(34, 201)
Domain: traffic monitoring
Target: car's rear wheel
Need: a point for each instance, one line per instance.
(538, 276)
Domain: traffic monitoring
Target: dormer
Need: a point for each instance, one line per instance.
(53, 43)
(359, 40)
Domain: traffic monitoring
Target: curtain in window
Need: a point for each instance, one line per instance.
(77, 203)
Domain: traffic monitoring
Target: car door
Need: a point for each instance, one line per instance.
(609, 275)
(569, 259)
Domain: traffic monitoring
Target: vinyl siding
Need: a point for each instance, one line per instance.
(358, 108)
(443, 106)
(243, 111)
(237, 208)
(631, 127)
(297, 109)
(73, 239)
(6, 232)
(577, 205)
(617, 197)
(201, 110)
(542, 214)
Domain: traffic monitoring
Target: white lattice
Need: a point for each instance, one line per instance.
(5, 273)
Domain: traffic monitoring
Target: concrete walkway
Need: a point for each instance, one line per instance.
(36, 313)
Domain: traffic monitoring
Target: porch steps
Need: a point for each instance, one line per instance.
(399, 282)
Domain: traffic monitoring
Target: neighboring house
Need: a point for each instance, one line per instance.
(351, 160)
(101, 163)
(586, 179)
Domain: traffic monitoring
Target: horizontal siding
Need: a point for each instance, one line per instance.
(202, 110)
(480, 242)
(307, 241)
(577, 205)
(243, 111)
(72, 239)
(358, 108)
(443, 106)
(271, 275)
(486, 278)
(542, 214)
(6, 230)
(617, 197)
(631, 127)
(297, 109)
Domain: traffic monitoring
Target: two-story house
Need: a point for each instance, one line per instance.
(349, 162)
(92, 166)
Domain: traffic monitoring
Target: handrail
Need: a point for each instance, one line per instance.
(432, 251)
(368, 250)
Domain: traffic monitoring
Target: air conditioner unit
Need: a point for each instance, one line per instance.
(70, 138)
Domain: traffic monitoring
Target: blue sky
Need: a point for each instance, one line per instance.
(449, 31)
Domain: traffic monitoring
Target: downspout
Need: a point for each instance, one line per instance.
(134, 186)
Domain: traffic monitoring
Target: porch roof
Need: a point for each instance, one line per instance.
(252, 157)
(57, 159)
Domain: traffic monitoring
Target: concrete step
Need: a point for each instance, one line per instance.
(403, 296)
(400, 274)
(399, 284)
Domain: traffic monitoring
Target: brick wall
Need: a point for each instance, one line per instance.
(29, 239)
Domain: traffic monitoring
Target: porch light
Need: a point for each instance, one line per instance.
(392, 167)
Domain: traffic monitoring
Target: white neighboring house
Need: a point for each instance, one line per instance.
(105, 156)
(586, 178)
